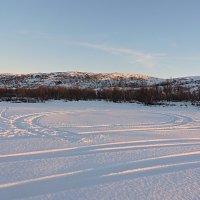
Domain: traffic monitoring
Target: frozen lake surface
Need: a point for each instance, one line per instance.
(98, 150)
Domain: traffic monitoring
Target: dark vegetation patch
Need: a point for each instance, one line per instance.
(148, 95)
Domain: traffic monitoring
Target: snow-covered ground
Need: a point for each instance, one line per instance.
(99, 150)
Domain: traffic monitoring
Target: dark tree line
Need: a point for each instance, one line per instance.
(48, 93)
(146, 95)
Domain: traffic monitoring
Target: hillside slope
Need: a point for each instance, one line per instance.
(91, 80)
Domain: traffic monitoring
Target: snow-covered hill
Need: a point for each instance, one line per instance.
(76, 79)
(191, 82)
(90, 80)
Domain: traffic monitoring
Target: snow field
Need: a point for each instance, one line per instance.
(98, 150)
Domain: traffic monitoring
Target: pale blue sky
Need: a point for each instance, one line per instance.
(152, 37)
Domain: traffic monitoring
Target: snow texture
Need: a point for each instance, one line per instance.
(98, 150)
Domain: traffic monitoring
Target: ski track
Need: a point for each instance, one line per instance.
(34, 125)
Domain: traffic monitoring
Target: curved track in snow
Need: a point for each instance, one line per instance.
(157, 156)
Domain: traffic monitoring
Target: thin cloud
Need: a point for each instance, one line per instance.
(135, 57)
(138, 58)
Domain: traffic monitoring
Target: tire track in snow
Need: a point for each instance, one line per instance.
(98, 175)
(102, 148)
(7, 129)
(24, 125)
(28, 124)
(176, 122)
(89, 177)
